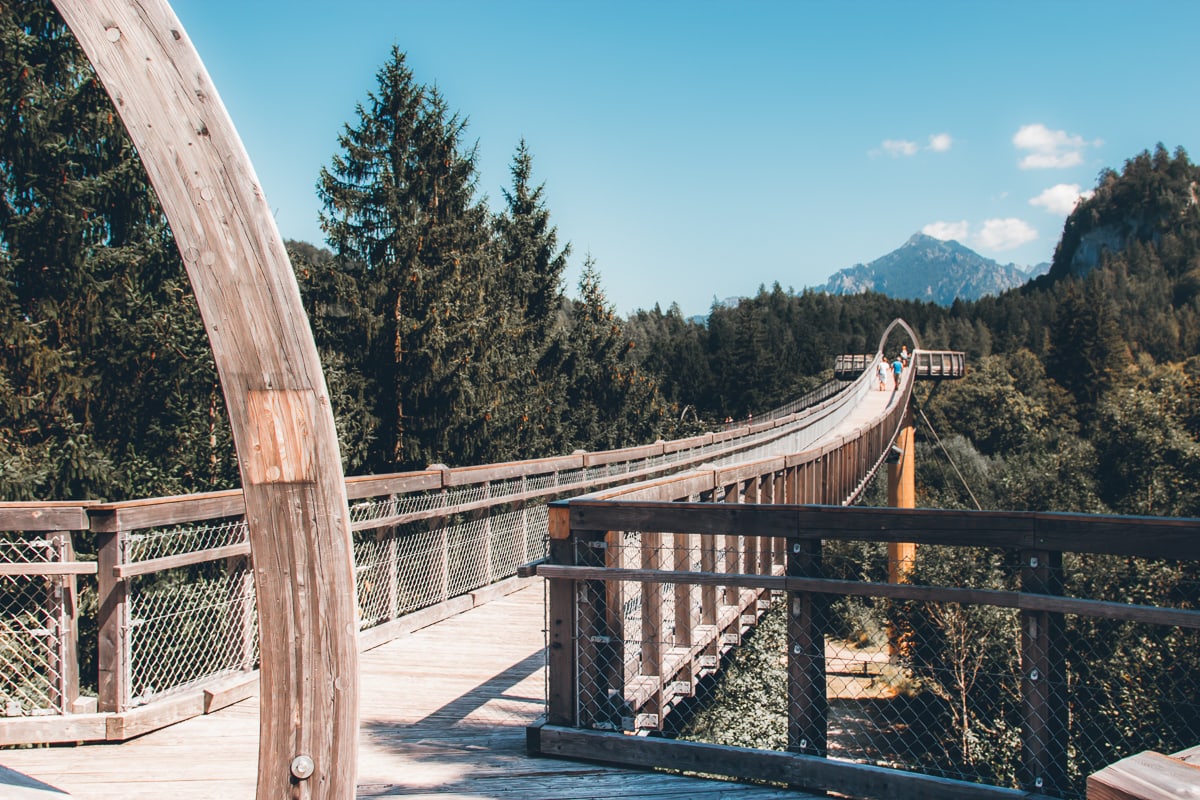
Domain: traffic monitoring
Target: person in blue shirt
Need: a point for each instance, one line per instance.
(897, 368)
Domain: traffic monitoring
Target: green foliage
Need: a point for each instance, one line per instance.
(529, 299)
(107, 386)
(610, 400)
(403, 222)
(964, 656)
(744, 709)
(1151, 458)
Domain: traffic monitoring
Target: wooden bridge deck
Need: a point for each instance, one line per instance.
(443, 712)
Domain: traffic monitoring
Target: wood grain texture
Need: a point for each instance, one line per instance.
(42, 517)
(271, 376)
(1145, 776)
(444, 711)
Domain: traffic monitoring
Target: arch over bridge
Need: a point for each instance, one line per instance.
(413, 554)
(304, 539)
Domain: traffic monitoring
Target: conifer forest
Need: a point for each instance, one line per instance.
(447, 334)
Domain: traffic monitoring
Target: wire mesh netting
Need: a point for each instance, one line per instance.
(190, 625)
(32, 607)
(152, 543)
(967, 691)
(405, 568)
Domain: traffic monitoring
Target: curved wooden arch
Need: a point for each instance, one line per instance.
(901, 323)
(271, 376)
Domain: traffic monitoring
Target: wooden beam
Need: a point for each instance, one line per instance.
(43, 517)
(1145, 776)
(1146, 537)
(181, 560)
(1150, 615)
(809, 772)
(278, 403)
(50, 568)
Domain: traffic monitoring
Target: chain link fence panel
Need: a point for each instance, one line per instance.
(32, 607)
(937, 687)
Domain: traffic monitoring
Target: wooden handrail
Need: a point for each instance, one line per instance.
(1145, 537)
(30, 568)
(1027, 601)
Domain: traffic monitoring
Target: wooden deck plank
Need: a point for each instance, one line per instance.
(443, 715)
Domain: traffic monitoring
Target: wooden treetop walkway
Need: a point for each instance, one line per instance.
(434, 723)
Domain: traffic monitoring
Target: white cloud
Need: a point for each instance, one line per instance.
(947, 231)
(1061, 198)
(1050, 149)
(899, 147)
(940, 142)
(1005, 234)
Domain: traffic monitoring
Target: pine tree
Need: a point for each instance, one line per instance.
(400, 200)
(1087, 355)
(610, 402)
(341, 320)
(529, 300)
(106, 381)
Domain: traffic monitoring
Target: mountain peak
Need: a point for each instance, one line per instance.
(929, 269)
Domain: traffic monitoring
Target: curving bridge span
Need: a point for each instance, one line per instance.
(176, 629)
(243, 614)
(572, 607)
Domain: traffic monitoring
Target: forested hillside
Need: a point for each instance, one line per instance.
(443, 327)
(447, 335)
(1083, 384)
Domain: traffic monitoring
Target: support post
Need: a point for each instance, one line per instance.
(1043, 680)
(684, 608)
(902, 493)
(561, 676)
(807, 704)
(653, 622)
(113, 621)
(241, 623)
(66, 617)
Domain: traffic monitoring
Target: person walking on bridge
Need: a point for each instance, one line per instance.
(881, 373)
(897, 368)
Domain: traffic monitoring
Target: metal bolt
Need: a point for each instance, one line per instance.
(803, 743)
(796, 548)
(1038, 782)
(797, 649)
(1035, 675)
(302, 767)
(1033, 561)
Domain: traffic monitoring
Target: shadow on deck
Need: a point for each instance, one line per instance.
(443, 711)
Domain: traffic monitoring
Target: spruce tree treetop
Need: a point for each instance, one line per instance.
(400, 202)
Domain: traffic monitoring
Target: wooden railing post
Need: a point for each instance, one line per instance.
(241, 623)
(66, 617)
(562, 679)
(807, 705)
(113, 622)
(586, 677)
(488, 546)
(391, 564)
(522, 505)
(684, 612)
(709, 613)
(1043, 680)
(732, 552)
(652, 632)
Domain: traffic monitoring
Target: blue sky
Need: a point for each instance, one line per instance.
(698, 149)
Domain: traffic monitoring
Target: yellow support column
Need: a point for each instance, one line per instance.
(902, 493)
